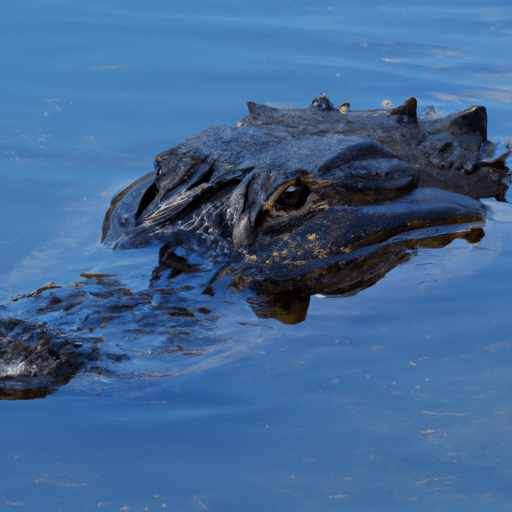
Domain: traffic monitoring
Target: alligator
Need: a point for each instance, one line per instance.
(277, 170)
(286, 202)
(298, 194)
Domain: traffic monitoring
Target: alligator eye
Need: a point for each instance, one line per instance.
(293, 197)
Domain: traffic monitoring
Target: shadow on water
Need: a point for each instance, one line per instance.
(112, 326)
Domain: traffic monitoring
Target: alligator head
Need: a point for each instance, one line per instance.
(291, 190)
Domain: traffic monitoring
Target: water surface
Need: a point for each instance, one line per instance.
(396, 397)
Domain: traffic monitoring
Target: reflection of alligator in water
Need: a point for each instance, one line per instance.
(289, 203)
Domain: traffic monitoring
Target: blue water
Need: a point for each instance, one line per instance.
(395, 398)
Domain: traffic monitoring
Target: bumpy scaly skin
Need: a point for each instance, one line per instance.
(276, 171)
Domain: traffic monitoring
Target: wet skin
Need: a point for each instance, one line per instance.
(248, 185)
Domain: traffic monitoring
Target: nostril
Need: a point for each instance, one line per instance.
(445, 147)
(147, 198)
